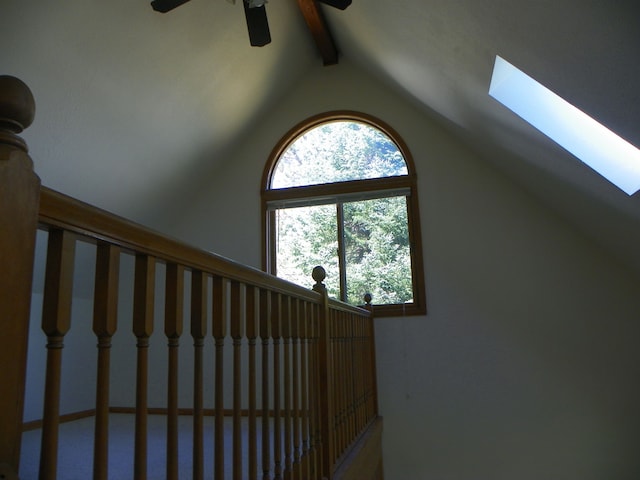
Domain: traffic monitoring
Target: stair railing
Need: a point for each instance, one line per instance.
(302, 370)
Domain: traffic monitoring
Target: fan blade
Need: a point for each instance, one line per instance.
(257, 25)
(341, 4)
(163, 6)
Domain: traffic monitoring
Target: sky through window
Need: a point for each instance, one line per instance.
(608, 154)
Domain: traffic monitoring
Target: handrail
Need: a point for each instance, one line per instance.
(57, 209)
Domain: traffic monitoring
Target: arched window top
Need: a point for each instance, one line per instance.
(338, 150)
(339, 190)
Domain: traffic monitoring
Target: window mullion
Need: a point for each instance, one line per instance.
(272, 239)
(342, 262)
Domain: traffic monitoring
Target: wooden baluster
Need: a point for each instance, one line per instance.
(334, 354)
(351, 359)
(365, 371)
(314, 397)
(19, 200)
(237, 311)
(343, 340)
(295, 334)
(286, 336)
(370, 359)
(276, 334)
(265, 336)
(367, 375)
(304, 381)
(372, 368)
(105, 322)
(357, 372)
(338, 376)
(143, 312)
(198, 332)
(365, 368)
(219, 330)
(174, 311)
(351, 379)
(362, 369)
(360, 375)
(355, 350)
(324, 385)
(368, 382)
(56, 321)
(321, 397)
(348, 380)
(252, 315)
(347, 375)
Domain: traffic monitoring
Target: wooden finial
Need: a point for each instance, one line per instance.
(367, 299)
(319, 274)
(17, 110)
(17, 106)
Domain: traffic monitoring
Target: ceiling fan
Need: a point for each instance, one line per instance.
(258, 26)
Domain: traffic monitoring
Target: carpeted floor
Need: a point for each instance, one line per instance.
(75, 456)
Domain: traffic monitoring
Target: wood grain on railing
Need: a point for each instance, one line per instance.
(237, 313)
(286, 348)
(174, 310)
(56, 321)
(19, 193)
(219, 331)
(297, 361)
(252, 315)
(325, 381)
(305, 367)
(276, 335)
(143, 312)
(265, 335)
(105, 323)
(198, 332)
(57, 209)
(315, 445)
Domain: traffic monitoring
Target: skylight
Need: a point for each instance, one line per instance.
(611, 156)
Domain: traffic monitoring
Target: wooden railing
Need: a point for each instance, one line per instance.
(302, 368)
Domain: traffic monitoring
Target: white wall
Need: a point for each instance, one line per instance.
(526, 365)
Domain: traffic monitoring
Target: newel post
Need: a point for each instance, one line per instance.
(373, 356)
(325, 378)
(19, 203)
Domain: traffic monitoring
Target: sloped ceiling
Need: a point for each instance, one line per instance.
(132, 98)
(141, 96)
(441, 53)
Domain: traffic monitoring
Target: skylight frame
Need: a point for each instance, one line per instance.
(588, 140)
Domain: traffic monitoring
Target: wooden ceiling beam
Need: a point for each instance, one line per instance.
(319, 30)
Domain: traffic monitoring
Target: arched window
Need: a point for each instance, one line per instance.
(339, 190)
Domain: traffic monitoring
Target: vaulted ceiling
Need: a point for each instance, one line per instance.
(191, 78)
